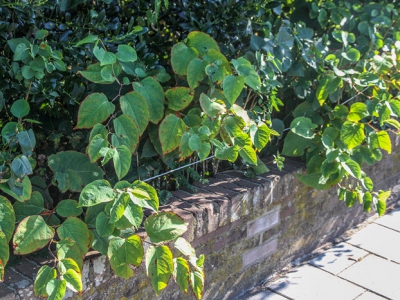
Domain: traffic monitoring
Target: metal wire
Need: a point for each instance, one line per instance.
(177, 169)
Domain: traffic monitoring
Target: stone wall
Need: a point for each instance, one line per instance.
(248, 228)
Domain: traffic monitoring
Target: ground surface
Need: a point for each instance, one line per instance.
(365, 266)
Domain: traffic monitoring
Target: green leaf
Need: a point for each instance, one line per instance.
(125, 252)
(44, 275)
(56, 289)
(135, 106)
(21, 52)
(244, 68)
(118, 207)
(368, 183)
(60, 65)
(164, 227)
(181, 55)
(179, 98)
(393, 122)
(181, 273)
(184, 147)
(94, 109)
(196, 72)
(227, 153)
(303, 127)
(103, 227)
(211, 107)
(153, 92)
(382, 65)
(67, 248)
(184, 247)
(381, 204)
(7, 218)
(126, 53)
(323, 17)
(352, 134)
(313, 181)
(322, 90)
(352, 55)
(126, 133)
(233, 86)
(204, 151)
(194, 142)
(94, 147)
(76, 230)
(15, 189)
(380, 140)
(350, 197)
(66, 264)
(159, 266)
(100, 243)
(93, 73)
(73, 170)
(202, 42)
(249, 155)
(107, 73)
(73, 280)
(329, 168)
(146, 192)
(122, 159)
(98, 129)
(68, 208)
(357, 112)
(27, 73)
(395, 107)
(20, 108)
(27, 141)
(352, 168)
(96, 192)
(133, 214)
(367, 201)
(197, 282)
(218, 59)
(105, 57)
(21, 166)
(31, 235)
(87, 40)
(4, 254)
(295, 145)
(170, 133)
(260, 168)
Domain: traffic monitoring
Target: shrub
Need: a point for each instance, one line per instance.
(98, 96)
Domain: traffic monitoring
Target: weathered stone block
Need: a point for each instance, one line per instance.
(263, 223)
(259, 253)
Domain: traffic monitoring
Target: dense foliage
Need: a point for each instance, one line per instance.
(96, 96)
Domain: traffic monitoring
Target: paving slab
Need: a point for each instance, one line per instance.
(265, 295)
(308, 282)
(378, 239)
(338, 258)
(391, 220)
(375, 274)
(370, 296)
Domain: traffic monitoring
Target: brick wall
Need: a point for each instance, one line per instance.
(248, 228)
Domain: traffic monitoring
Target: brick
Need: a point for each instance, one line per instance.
(260, 252)
(263, 223)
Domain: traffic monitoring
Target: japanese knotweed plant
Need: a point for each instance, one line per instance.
(353, 103)
(195, 118)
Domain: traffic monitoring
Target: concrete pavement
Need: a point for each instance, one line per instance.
(366, 266)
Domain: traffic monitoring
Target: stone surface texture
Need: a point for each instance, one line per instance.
(248, 229)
